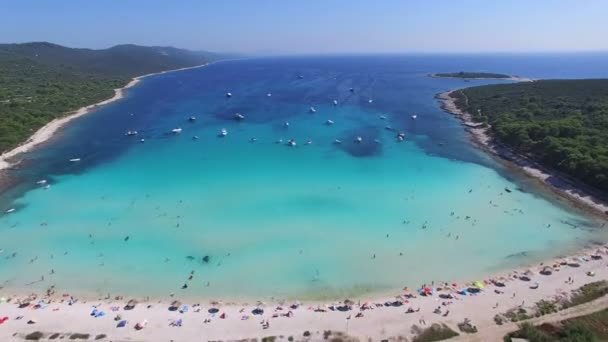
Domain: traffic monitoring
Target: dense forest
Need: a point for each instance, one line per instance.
(41, 81)
(562, 124)
(464, 74)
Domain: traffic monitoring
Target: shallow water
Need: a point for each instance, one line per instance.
(312, 221)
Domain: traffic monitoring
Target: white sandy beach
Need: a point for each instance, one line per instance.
(378, 322)
(47, 131)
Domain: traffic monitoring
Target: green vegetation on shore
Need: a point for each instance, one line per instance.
(41, 81)
(588, 328)
(563, 124)
(464, 74)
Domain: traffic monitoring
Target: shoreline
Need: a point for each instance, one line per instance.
(578, 194)
(379, 320)
(49, 130)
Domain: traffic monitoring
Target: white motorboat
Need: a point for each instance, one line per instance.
(329, 122)
(131, 133)
(358, 139)
(414, 117)
(228, 94)
(41, 182)
(382, 117)
(176, 130)
(337, 141)
(192, 118)
(291, 143)
(223, 132)
(239, 116)
(286, 124)
(74, 160)
(312, 110)
(10, 210)
(335, 102)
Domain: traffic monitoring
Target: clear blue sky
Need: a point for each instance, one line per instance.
(313, 26)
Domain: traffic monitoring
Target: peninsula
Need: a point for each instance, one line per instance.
(41, 82)
(555, 129)
(471, 75)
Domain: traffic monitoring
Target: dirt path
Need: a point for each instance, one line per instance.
(497, 332)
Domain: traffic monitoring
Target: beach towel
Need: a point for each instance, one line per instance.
(94, 312)
(121, 324)
(100, 314)
(184, 309)
(3, 319)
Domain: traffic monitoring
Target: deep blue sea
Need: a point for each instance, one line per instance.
(252, 216)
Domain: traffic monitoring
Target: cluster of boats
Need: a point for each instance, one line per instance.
(291, 142)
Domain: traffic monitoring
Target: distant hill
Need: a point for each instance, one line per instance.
(42, 81)
(120, 60)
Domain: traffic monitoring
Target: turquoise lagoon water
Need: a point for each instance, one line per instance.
(261, 219)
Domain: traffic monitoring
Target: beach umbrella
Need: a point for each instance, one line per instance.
(175, 305)
(479, 284)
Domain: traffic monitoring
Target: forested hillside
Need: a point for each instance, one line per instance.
(561, 123)
(43, 81)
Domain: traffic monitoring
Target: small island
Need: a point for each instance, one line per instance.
(472, 75)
